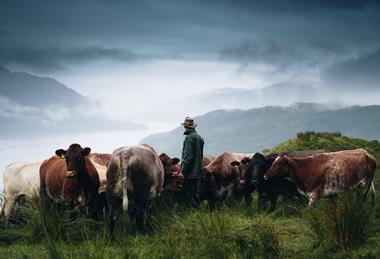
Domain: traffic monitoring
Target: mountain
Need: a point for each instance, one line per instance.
(236, 98)
(32, 105)
(261, 128)
(30, 90)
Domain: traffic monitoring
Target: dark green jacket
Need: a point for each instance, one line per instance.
(192, 154)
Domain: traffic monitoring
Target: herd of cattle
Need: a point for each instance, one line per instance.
(133, 178)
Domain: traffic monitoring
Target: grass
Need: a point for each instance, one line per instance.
(345, 227)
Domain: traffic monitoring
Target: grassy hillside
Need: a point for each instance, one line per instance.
(346, 228)
(257, 129)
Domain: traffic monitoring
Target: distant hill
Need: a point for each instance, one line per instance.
(262, 128)
(236, 98)
(30, 90)
(32, 105)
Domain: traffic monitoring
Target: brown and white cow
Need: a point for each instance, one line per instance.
(326, 173)
(220, 180)
(134, 179)
(70, 178)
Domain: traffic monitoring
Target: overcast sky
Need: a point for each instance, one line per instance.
(123, 51)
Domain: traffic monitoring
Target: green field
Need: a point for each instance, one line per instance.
(341, 228)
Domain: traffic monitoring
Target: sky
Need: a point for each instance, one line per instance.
(128, 53)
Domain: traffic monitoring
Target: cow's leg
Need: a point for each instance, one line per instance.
(139, 217)
(211, 204)
(9, 204)
(248, 198)
(113, 204)
(313, 196)
(262, 200)
(273, 201)
(373, 194)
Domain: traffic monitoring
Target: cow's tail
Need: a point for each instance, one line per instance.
(125, 188)
(2, 201)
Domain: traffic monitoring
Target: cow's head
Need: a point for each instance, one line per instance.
(74, 156)
(243, 167)
(170, 165)
(278, 169)
(258, 167)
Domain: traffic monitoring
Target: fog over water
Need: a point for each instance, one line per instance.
(43, 147)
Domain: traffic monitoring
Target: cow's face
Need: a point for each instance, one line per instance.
(278, 168)
(170, 165)
(257, 167)
(74, 156)
(243, 168)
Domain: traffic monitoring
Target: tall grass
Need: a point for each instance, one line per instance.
(344, 222)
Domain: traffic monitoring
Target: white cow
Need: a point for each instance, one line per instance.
(23, 179)
(20, 179)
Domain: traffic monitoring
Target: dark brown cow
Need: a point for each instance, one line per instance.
(220, 181)
(326, 173)
(70, 178)
(173, 177)
(135, 177)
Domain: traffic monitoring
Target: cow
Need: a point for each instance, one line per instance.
(101, 161)
(70, 178)
(20, 180)
(326, 173)
(135, 177)
(220, 180)
(173, 176)
(252, 171)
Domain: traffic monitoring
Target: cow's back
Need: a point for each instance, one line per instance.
(144, 171)
(221, 167)
(349, 167)
(22, 178)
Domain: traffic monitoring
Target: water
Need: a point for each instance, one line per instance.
(43, 147)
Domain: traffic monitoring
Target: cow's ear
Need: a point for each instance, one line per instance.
(235, 163)
(175, 160)
(61, 153)
(86, 151)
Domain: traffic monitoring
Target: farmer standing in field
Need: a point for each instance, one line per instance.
(192, 155)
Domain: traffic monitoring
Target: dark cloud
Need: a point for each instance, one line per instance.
(50, 59)
(357, 73)
(281, 57)
(52, 35)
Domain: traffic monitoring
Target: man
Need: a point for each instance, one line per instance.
(192, 154)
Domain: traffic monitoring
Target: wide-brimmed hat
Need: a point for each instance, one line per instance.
(189, 123)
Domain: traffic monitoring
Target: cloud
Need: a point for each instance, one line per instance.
(358, 73)
(52, 58)
(278, 56)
